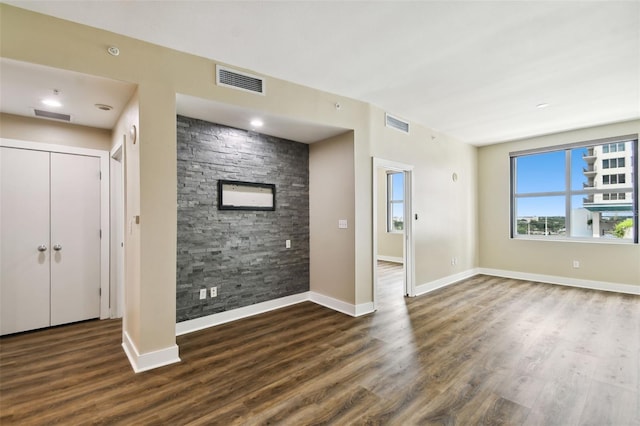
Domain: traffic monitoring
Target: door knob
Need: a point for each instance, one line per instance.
(42, 247)
(57, 247)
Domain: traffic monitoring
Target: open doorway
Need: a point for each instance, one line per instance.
(392, 228)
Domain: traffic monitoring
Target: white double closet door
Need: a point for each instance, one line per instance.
(50, 248)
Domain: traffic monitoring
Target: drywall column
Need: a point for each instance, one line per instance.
(149, 334)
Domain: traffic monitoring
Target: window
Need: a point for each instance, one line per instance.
(395, 202)
(613, 147)
(613, 163)
(613, 179)
(557, 193)
(614, 196)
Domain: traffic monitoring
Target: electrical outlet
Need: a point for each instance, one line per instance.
(454, 261)
(203, 293)
(287, 244)
(214, 291)
(576, 264)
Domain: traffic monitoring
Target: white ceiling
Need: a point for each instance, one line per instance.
(24, 86)
(472, 69)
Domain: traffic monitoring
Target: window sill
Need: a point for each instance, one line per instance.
(575, 240)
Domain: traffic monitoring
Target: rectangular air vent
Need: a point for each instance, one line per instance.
(239, 80)
(396, 123)
(52, 115)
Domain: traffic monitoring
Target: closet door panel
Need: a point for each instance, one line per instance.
(75, 238)
(24, 241)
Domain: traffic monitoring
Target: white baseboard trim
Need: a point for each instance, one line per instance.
(445, 281)
(364, 309)
(201, 323)
(340, 306)
(150, 360)
(391, 259)
(571, 282)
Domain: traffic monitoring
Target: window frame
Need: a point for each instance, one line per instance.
(568, 192)
(391, 201)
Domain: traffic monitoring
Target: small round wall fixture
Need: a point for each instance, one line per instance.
(113, 51)
(454, 177)
(133, 133)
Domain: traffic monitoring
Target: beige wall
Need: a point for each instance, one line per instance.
(389, 243)
(47, 131)
(608, 262)
(447, 210)
(331, 198)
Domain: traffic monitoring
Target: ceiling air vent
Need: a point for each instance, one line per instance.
(239, 80)
(396, 123)
(52, 115)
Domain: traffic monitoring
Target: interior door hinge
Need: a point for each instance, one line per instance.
(100, 291)
(101, 234)
(100, 175)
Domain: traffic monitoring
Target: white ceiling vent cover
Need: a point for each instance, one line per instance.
(396, 123)
(239, 80)
(52, 115)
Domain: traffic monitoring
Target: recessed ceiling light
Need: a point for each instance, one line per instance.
(52, 102)
(256, 122)
(542, 105)
(104, 107)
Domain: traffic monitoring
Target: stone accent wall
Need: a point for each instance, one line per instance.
(241, 252)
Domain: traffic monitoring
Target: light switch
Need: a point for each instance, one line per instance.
(342, 223)
(287, 243)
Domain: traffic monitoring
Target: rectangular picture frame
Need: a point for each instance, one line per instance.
(240, 195)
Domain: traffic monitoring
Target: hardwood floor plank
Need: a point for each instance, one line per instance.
(561, 402)
(486, 350)
(609, 405)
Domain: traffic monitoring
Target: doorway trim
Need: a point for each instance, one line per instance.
(116, 210)
(409, 244)
(104, 204)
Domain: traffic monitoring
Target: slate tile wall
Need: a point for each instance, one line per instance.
(241, 252)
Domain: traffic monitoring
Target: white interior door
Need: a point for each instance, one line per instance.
(75, 238)
(24, 248)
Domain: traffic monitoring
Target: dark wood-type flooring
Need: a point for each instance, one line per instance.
(484, 351)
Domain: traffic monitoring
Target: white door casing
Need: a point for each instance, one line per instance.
(117, 231)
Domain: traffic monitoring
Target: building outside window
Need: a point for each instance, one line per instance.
(395, 202)
(561, 193)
